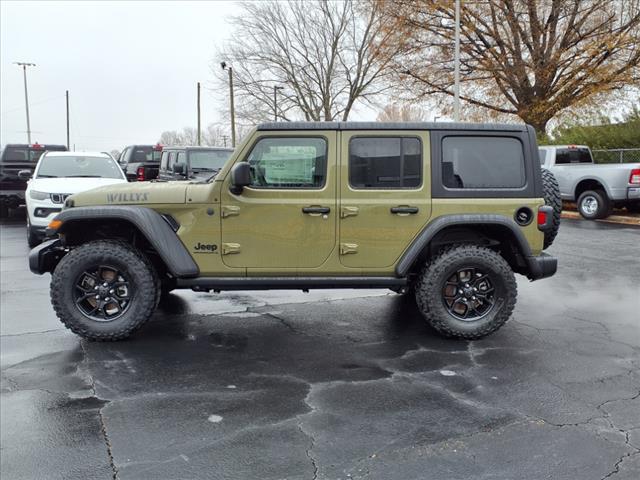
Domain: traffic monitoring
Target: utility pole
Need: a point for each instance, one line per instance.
(198, 113)
(275, 102)
(456, 88)
(231, 106)
(24, 66)
(67, 97)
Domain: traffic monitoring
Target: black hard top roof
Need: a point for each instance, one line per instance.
(39, 145)
(195, 147)
(511, 127)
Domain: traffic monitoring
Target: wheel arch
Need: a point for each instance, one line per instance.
(590, 184)
(489, 230)
(143, 227)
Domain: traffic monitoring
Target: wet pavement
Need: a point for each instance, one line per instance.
(332, 384)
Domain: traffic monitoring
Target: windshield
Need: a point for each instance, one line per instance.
(78, 166)
(209, 159)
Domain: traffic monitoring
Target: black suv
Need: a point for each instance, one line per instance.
(140, 162)
(16, 157)
(182, 163)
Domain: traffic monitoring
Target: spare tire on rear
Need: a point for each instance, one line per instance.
(551, 192)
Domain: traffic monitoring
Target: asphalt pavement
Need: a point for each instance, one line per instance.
(332, 384)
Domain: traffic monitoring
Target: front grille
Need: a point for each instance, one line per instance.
(59, 197)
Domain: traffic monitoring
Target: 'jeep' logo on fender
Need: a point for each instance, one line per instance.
(127, 197)
(206, 248)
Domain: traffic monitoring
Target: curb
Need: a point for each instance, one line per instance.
(618, 219)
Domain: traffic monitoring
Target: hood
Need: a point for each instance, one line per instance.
(70, 184)
(134, 193)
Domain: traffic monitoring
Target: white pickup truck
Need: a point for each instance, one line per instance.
(596, 188)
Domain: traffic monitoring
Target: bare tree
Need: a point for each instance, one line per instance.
(321, 53)
(213, 136)
(395, 112)
(530, 58)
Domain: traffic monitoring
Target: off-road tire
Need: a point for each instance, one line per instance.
(127, 259)
(552, 198)
(603, 204)
(436, 272)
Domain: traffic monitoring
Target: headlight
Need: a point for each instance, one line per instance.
(38, 195)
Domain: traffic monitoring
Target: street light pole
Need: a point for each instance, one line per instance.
(199, 114)
(456, 87)
(24, 66)
(231, 105)
(275, 102)
(67, 99)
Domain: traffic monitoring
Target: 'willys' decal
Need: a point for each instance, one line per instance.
(127, 197)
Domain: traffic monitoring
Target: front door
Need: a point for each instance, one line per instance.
(286, 219)
(385, 195)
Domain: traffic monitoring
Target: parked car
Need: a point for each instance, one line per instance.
(58, 175)
(448, 212)
(16, 157)
(596, 188)
(140, 162)
(183, 163)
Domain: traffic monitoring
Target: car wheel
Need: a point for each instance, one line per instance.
(33, 238)
(594, 204)
(466, 291)
(104, 290)
(551, 192)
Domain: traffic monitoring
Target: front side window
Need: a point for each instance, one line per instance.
(482, 162)
(385, 162)
(292, 162)
(78, 166)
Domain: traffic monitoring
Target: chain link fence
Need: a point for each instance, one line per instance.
(617, 155)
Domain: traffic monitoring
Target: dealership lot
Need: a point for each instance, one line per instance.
(332, 384)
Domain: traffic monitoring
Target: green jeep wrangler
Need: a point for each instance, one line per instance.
(446, 211)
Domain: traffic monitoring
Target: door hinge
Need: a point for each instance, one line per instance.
(347, 248)
(348, 212)
(230, 248)
(229, 211)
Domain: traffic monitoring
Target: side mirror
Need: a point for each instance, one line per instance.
(25, 175)
(179, 168)
(240, 177)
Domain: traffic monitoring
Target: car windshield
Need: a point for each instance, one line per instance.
(209, 159)
(78, 166)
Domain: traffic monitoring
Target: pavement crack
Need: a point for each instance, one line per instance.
(309, 449)
(282, 321)
(103, 425)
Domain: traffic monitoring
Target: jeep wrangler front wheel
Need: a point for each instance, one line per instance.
(466, 291)
(104, 290)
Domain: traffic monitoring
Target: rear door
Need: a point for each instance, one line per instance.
(285, 220)
(385, 195)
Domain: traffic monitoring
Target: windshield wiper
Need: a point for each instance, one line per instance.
(84, 176)
(48, 176)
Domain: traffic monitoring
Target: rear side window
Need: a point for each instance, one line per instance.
(164, 162)
(288, 162)
(385, 162)
(573, 155)
(145, 154)
(482, 162)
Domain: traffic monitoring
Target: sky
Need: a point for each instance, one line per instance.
(131, 69)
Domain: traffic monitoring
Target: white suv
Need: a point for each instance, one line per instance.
(58, 175)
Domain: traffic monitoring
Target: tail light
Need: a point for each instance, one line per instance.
(634, 177)
(140, 174)
(545, 218)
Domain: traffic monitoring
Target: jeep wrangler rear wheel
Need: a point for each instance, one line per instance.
(466, 291)
(104, 290)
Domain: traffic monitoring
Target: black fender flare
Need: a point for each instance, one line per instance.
(434, 227)
(156, 229)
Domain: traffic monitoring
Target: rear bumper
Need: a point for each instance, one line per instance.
(633, 193)
(45, 256)
(541, 266)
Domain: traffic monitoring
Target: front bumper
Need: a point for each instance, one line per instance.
(46, 256)
(541, 266)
